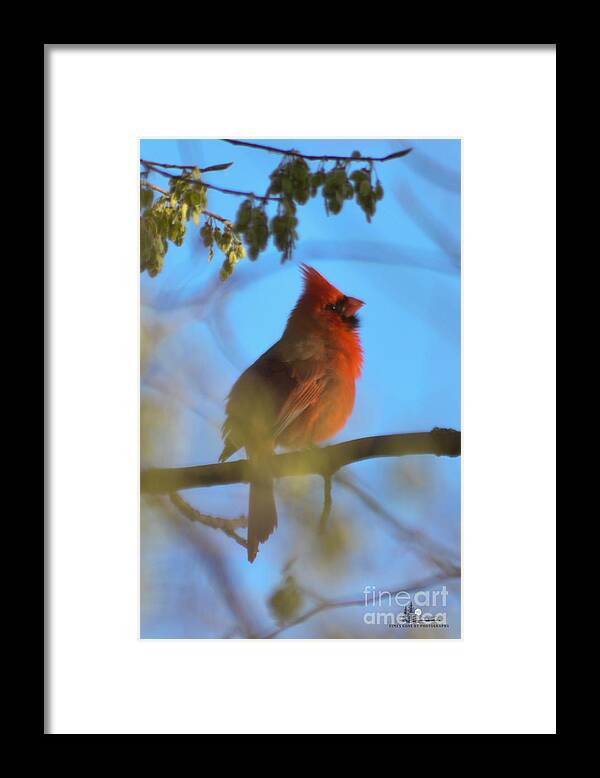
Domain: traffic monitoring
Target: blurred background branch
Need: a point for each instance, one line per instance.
(228, 526)
(425, 547)
(238, 612)
(323, 604)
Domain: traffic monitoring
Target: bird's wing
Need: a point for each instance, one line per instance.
(273, 392)
(306, 392)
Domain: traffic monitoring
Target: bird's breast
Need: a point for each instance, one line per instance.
(326, 417)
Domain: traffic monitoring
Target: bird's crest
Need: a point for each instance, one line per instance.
(317, 286)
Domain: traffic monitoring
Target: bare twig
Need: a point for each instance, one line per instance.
(148, 185)
(325, 605)
(320, 157)
(213, 215)
(314, 461)
(211, 168)
(228, 526)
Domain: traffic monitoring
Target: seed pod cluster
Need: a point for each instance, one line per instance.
(227, 240)
(336, 189)
(292, 180)
(317, 180)
(146, 198)
(251, 222)
(283, 228)
(165, 220)
(208, 239)
(153, 246)
(367, 195)
(231, 245)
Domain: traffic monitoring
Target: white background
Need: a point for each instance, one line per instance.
(500, 677)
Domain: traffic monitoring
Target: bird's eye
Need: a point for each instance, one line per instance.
(337, 306)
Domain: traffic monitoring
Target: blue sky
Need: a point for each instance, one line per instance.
(405, 264)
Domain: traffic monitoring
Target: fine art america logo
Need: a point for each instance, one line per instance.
(425, 609)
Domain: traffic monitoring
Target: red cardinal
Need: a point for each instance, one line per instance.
(298, 393)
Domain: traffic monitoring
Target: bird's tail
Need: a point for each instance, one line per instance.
(262, 513)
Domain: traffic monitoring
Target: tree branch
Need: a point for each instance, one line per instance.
(314, 461)
(148, 185)
(228, 526)
(235, 192)
(322, 158)
(213, 215)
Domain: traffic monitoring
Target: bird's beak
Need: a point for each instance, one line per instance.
(352, 305)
